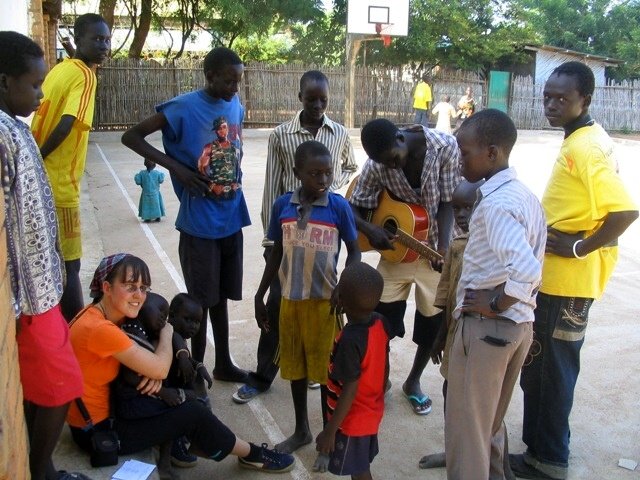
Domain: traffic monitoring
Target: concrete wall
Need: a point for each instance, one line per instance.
(14, 462)
(18, 19)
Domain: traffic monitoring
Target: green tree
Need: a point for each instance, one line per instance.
(609, 28)
(572, 24)
(323, 41)
(469, 34)
(228, 20)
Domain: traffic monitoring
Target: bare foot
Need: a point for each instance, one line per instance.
(436, 460)
(322, 463)
(168, 474)
(294, 442)
(230, 374)
(165, 470)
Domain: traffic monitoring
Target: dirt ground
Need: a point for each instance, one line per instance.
(606, 415)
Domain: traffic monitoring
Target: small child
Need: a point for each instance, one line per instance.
(131, 404)
(496, 296)
(151, 206)
(445, 112)
(358, 372)
(306, 226)
(464, 196)
(185, 314)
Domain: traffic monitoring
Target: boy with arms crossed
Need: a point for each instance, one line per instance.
(213, 209)
(587, 208)
(358, 372)
(311, 123)
(307, 226)
(61, 127)
(49, 372)
(464, 197)
(501, 272)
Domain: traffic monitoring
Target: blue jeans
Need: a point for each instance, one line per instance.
(549, 377)
(422, 117)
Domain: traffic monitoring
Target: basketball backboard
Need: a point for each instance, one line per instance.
(392, 16)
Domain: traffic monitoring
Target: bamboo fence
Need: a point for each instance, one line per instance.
(129, 89)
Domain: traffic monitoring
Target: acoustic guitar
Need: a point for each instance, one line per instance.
(408, 221)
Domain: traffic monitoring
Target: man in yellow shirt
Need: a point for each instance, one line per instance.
(587, 208)
(421, 101)
(61, 128)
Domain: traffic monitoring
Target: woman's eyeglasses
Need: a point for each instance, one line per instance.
(133, 288)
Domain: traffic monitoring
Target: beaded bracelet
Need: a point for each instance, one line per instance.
(575, 252)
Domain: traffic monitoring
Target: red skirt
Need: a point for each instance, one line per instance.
(49, 370)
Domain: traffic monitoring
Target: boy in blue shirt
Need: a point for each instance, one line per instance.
(212, 210)
(306, 227)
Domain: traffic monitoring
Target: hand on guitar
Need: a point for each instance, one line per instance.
(380, 238)
(438, 263)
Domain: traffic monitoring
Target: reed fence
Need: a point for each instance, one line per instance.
(128, 90)
(615, 107)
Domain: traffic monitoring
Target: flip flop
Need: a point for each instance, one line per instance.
(420, 405)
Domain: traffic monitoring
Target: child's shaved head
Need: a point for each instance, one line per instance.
(467, 191)
(360, 288)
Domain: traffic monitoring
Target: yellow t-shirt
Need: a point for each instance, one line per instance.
(422, 96)
(584, 187)
(69, 89)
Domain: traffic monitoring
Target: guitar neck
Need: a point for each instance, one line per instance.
(420, 248)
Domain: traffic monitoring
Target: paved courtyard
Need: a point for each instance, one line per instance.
(606, 416)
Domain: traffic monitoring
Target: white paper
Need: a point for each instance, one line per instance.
(627, 463)
(134, 470)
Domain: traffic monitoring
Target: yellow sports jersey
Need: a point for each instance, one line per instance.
(422, 96)
(69, 89)
(584, 187)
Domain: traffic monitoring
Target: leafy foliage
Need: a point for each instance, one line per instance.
(608, 28)
(228, 20)
(467, 34)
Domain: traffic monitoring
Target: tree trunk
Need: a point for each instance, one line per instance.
(106, 10)
(141, 30)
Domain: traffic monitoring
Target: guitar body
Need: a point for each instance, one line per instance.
(394, 215)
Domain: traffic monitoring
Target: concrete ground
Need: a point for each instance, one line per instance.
(605, 419)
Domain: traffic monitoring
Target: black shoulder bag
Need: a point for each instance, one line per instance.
(104, 443)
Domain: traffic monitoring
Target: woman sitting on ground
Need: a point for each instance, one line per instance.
(119, 288)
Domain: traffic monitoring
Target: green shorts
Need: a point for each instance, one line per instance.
(307, 333)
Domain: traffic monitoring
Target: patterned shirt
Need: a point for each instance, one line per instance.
(35, 261)
(283, 141)
(440, 176)
(507, 237)
(310, 243)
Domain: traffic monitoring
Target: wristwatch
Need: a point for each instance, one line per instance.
(493, 305)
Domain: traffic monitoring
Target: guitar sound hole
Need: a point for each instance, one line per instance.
(390, 226)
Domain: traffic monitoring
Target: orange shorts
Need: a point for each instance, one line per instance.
(49, 370)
